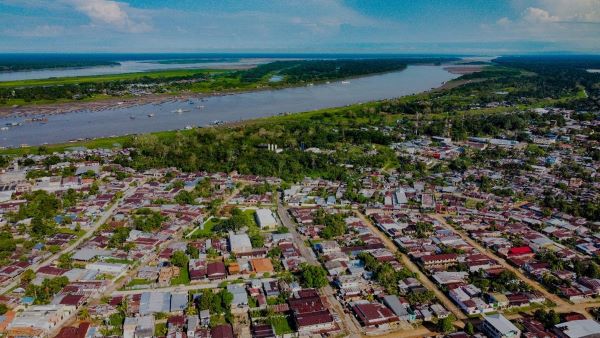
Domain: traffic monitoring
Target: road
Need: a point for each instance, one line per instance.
(104, 216)
(561, 304)
(414, 268)
(349, 324)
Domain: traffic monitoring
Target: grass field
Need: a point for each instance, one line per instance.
(183, 278)
(109, 77)
(206, 231)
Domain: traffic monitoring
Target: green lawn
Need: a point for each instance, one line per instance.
(207, 231)
(281, 325)
(183, 278)
(139, 281)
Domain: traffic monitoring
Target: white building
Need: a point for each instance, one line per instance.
(39, 320)
(239, 243)
(114, 269)
(497, 326)
(265, 219)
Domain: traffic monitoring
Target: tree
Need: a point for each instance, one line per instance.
(469, 329)
(184, 197)
(446, 324)
(27, 276)
(64, 261)
(313, 276)
(3, 308)
(192, 251)
(179, 259)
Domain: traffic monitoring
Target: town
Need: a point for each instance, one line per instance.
(468, 242)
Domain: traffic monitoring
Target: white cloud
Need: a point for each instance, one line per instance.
(504, 21)
(116, 15)
(538, 15)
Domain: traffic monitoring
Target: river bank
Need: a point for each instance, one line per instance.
(188, 111)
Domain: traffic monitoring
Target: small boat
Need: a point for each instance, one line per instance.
(132, 117)
(151, 115)
(188, 127)
(180, 111)
(217, 122)
(345, 82)
(4, 128)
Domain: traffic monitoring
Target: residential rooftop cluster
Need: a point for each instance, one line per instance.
(485, 237)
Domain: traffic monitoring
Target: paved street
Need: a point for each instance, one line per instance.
(414, 268)
(561, 304)
(349, 323)
(104, 216)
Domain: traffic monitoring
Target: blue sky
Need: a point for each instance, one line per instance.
(364, 26)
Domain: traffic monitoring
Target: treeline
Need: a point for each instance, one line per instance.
(558, 76)
(321, 70)
(88, 89)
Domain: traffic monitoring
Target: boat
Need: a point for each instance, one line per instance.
(188, 127)
(4, 128)
(132, 117)
(217, 122)
(345, 82)
(151, 115)
(180, 111)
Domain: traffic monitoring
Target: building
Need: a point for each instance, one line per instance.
(310, 314)
(261, 265)
(441, 260)
(239, 243)
(374, 314)
(497, 326)
(265, 219)
(82, 331)
(39, 320)
(139, 327)
(586, 328)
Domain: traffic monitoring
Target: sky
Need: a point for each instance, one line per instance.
(491, 27)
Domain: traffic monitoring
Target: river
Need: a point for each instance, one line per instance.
(228, 108)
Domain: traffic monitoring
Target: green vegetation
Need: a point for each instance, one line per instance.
(384, 273)
(43, 294)
(313, 276)
(147, 220)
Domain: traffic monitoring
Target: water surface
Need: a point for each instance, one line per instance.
(131, 120)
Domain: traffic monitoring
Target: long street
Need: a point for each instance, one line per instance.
(414, 268)
(561, 304)
(349, 324)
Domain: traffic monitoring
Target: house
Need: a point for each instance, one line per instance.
(239, 243)
(216, 270)
(205, 318)
(138, 327)
(240, 297)
(586, 328)
(81, 331)
(497, 326)
(222, 331)
(440, 260)
(310, 314)
(374, 314)
(197, 269)
(166, 273)
(402, 311)
(39, 320)
(261, 265)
